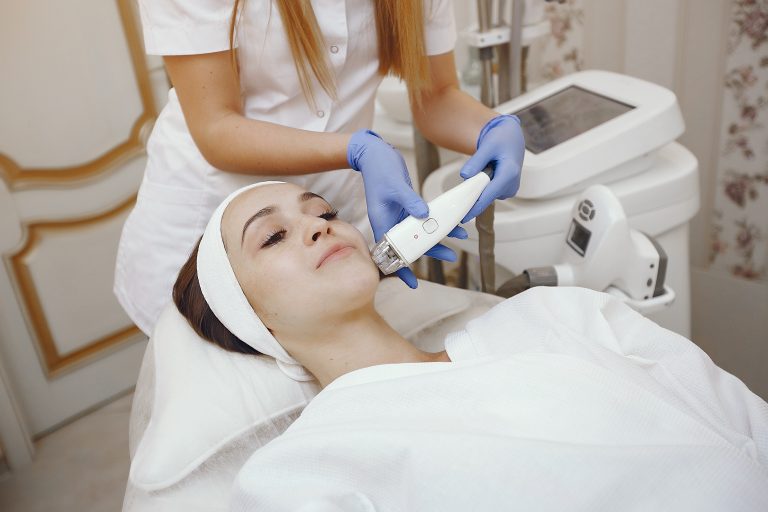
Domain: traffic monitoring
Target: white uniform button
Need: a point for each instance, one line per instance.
(334, 49)
(430, 225)
(320, 113)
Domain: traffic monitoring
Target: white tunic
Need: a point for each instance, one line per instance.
(181, 189)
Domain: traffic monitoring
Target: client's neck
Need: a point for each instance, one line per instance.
(359, 340)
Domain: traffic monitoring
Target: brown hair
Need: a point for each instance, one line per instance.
(191, 303)
(400, 36)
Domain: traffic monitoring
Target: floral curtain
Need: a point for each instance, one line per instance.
(561, 53)
(740, 218)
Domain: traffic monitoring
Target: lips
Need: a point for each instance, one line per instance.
(332, 252)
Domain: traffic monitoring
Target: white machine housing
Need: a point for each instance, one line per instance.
(603, 252)
(601, 249)
(591, 127)
(531, 233)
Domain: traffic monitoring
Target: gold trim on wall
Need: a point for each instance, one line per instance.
(55, 363)
(17, 176)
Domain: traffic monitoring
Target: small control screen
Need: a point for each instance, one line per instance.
(578, 237)
(564, 115)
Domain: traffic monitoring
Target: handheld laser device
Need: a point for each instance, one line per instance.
(412, 237)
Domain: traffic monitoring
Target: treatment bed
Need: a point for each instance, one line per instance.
(199, 412)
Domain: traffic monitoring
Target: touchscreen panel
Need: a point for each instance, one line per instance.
(564, 115)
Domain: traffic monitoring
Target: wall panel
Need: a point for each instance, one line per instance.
(74, 121)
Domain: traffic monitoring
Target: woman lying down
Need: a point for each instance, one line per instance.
(556, 399)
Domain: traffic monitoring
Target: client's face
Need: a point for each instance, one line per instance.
(296, 262)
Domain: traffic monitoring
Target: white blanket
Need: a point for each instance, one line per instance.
(557, 399)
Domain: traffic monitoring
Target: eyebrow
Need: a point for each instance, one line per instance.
(269, 210)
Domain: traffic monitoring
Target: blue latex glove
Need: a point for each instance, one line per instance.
(389, 193)
(502, 145)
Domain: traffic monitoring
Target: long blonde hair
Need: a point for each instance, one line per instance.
(400, 35)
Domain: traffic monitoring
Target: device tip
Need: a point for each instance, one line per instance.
(386, 258)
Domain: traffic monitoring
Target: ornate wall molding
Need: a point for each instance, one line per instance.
(20, 177)
(53, 362)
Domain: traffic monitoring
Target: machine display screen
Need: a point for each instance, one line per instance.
(564, 115)
(578, 238)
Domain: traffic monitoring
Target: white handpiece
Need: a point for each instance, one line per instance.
(602, 250)
(412, 237)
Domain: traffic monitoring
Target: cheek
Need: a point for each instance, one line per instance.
(285, 294)
(363, 277)
(350, 284)
(277, 287)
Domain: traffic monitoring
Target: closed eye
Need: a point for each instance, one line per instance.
(331, 215)
(274, 238)
(278, 236)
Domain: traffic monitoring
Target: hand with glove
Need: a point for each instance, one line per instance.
(502, 146)
(389, 193)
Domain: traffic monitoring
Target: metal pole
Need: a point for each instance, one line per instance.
(484, 221)
(486, 53)
(515, 57)
(427, 160)
(504, 74)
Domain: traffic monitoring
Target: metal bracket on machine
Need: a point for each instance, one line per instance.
(492, 37)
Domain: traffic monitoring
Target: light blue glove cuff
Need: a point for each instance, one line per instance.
(493, 123)
(356, 146)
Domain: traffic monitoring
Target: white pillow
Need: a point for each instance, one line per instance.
(206, 398)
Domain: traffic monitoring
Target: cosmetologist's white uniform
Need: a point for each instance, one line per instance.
(181, 189)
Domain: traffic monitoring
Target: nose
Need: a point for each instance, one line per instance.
(315, 228)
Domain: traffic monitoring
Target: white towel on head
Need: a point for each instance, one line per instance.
(226, 299)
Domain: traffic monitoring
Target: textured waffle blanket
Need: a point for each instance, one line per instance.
(557, 399)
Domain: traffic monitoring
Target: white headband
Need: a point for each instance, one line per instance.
(226, 299)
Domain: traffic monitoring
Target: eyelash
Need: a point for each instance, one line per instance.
(330, 215)
(278, 236)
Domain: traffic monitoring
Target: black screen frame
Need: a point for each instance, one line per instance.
(614, 101)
